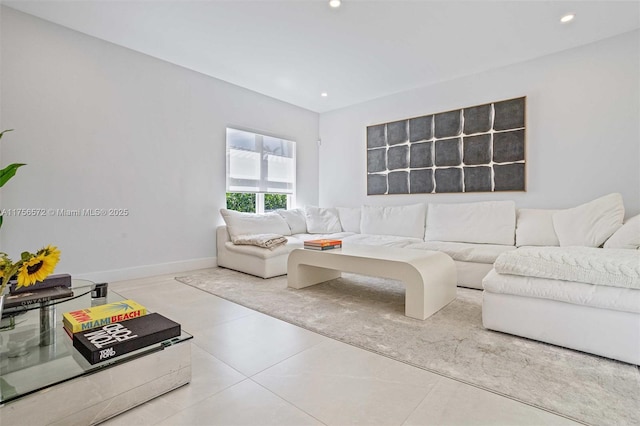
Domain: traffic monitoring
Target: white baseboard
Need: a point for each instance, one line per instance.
(148, 270)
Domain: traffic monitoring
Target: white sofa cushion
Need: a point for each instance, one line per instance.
(576, 293)
(322, 220)
(331, 236)
(590, 265)
(239, 223)
(380, 240)
(589, 224)
(465, 252)
(350, 218)
(627, 237)
(296, 220)
(401, 221)
(489, 222)
(534, 227)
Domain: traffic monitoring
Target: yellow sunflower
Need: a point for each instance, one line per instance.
(51, 254)
(38, 267)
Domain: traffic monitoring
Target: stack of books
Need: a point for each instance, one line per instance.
(52, 288)
(322, 244)
(56, 280)
(104, 332)
(27, 299)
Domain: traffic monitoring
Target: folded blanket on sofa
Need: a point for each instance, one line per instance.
(269, 241)
(611, 267)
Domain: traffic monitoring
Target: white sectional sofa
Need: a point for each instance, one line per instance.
(597, 315)
(473, 234)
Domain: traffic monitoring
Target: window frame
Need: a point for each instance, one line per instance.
(262, 186)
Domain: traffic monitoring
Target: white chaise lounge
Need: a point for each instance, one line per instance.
(577, 297)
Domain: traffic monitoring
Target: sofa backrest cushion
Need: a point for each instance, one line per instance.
(296, 220)
(322, 220)
(350, 218)
(589, 224)
(239, 223)
(488, 222)
(534, 227)
(402, 221)
(627, 237)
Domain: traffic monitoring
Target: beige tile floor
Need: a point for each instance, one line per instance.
(251, 369)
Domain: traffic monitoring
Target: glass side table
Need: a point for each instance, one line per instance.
(37, 355)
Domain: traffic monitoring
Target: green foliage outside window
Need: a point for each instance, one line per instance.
(275, 201)
(246, 202)
(241, 201)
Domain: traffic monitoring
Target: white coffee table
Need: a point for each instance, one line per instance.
(429, 276)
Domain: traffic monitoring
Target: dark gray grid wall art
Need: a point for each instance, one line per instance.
(474, 149)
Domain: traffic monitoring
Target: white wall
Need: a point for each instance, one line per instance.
(583, 128)
(101, 126)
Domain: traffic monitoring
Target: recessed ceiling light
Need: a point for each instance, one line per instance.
(335, 3)
(324, 94)
(567, 18)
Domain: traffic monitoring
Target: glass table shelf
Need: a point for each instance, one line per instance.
(46, 311)
(36, 353)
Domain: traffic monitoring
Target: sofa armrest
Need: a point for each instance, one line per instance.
(222, 236)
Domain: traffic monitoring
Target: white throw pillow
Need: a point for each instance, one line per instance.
(627, 237)
(322, 220)
(296, 220)
(402, 221)
(350, 218)
(489, 222)
(590, 224)
(239, 223)
(534, 227)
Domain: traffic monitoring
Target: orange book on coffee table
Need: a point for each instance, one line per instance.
(322, 243)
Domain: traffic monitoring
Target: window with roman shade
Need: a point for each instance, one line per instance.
(260, 164)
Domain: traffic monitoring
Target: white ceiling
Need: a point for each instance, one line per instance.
(294, 50)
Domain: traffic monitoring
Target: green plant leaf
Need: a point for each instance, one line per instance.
(5, 131)
(1, 217)
(8, 172)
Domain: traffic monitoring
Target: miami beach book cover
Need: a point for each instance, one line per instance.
(98, 316)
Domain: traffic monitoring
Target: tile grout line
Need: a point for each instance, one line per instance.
(432, 390)
(201, 401)
(285, 400)
(218, 359)
(287, 358)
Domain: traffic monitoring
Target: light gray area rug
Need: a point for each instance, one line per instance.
(369, 313)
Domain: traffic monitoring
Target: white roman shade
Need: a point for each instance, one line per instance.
(259, 163)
